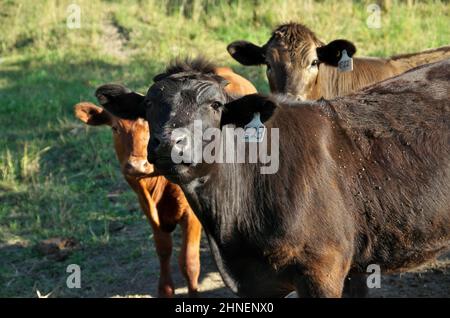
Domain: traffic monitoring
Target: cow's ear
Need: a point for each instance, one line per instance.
(241, 111)
(121, 101)
(247, 53)
(332, 52)
(91, 114)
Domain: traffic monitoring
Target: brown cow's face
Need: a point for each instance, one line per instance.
(292, 56)
(288, 74)
(130, 138)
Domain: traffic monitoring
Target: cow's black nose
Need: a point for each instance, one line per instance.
(175, 146)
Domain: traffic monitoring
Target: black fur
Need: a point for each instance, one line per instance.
(247, 53)
(240, 112)
(332, 52)
(193, 65)
(114, 97)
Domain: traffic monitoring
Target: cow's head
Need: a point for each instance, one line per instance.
(173, 105)
(292, 56)
(130, 135)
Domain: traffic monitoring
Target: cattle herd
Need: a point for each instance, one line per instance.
(363, 173)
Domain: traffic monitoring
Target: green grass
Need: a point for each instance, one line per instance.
(56, 174)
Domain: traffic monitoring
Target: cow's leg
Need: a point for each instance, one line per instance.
(189, 259)
(323, 276)
(163, 245)
(313, 285)
(355, 286)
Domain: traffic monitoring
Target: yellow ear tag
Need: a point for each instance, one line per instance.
(345, 64)
(255, 130)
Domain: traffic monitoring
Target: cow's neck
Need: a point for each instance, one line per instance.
(222, 216)
(221, 201)
(332, 83)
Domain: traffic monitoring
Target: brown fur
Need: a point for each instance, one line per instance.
(296, 39)
(371, 178)
(399, 133)
(237, 84)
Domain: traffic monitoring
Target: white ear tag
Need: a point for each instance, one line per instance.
(255, 130)
(345, 64)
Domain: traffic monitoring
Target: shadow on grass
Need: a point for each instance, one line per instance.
(38, 94)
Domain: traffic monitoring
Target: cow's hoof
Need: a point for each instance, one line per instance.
(166, 291)
(193, 294)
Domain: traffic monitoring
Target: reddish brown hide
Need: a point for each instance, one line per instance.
(162, 202)
(237, 84)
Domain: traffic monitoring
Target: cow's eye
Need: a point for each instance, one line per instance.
(315, 62)
(114, 129)
(216, 105)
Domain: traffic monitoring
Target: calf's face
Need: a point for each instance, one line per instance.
(130, 138)
(288, 74)
(179, 109)
(292, 60)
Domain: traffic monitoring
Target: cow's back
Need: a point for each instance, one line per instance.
(405, 62)
(238, 85)
(398, 134)
(369, 70)
(366, 71)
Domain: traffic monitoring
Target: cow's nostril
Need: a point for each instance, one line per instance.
(128, 166)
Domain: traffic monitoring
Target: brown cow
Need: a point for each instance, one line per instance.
(162, 202)
(299, 64)
(363, 179)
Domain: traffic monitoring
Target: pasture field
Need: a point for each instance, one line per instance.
(60, 178)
